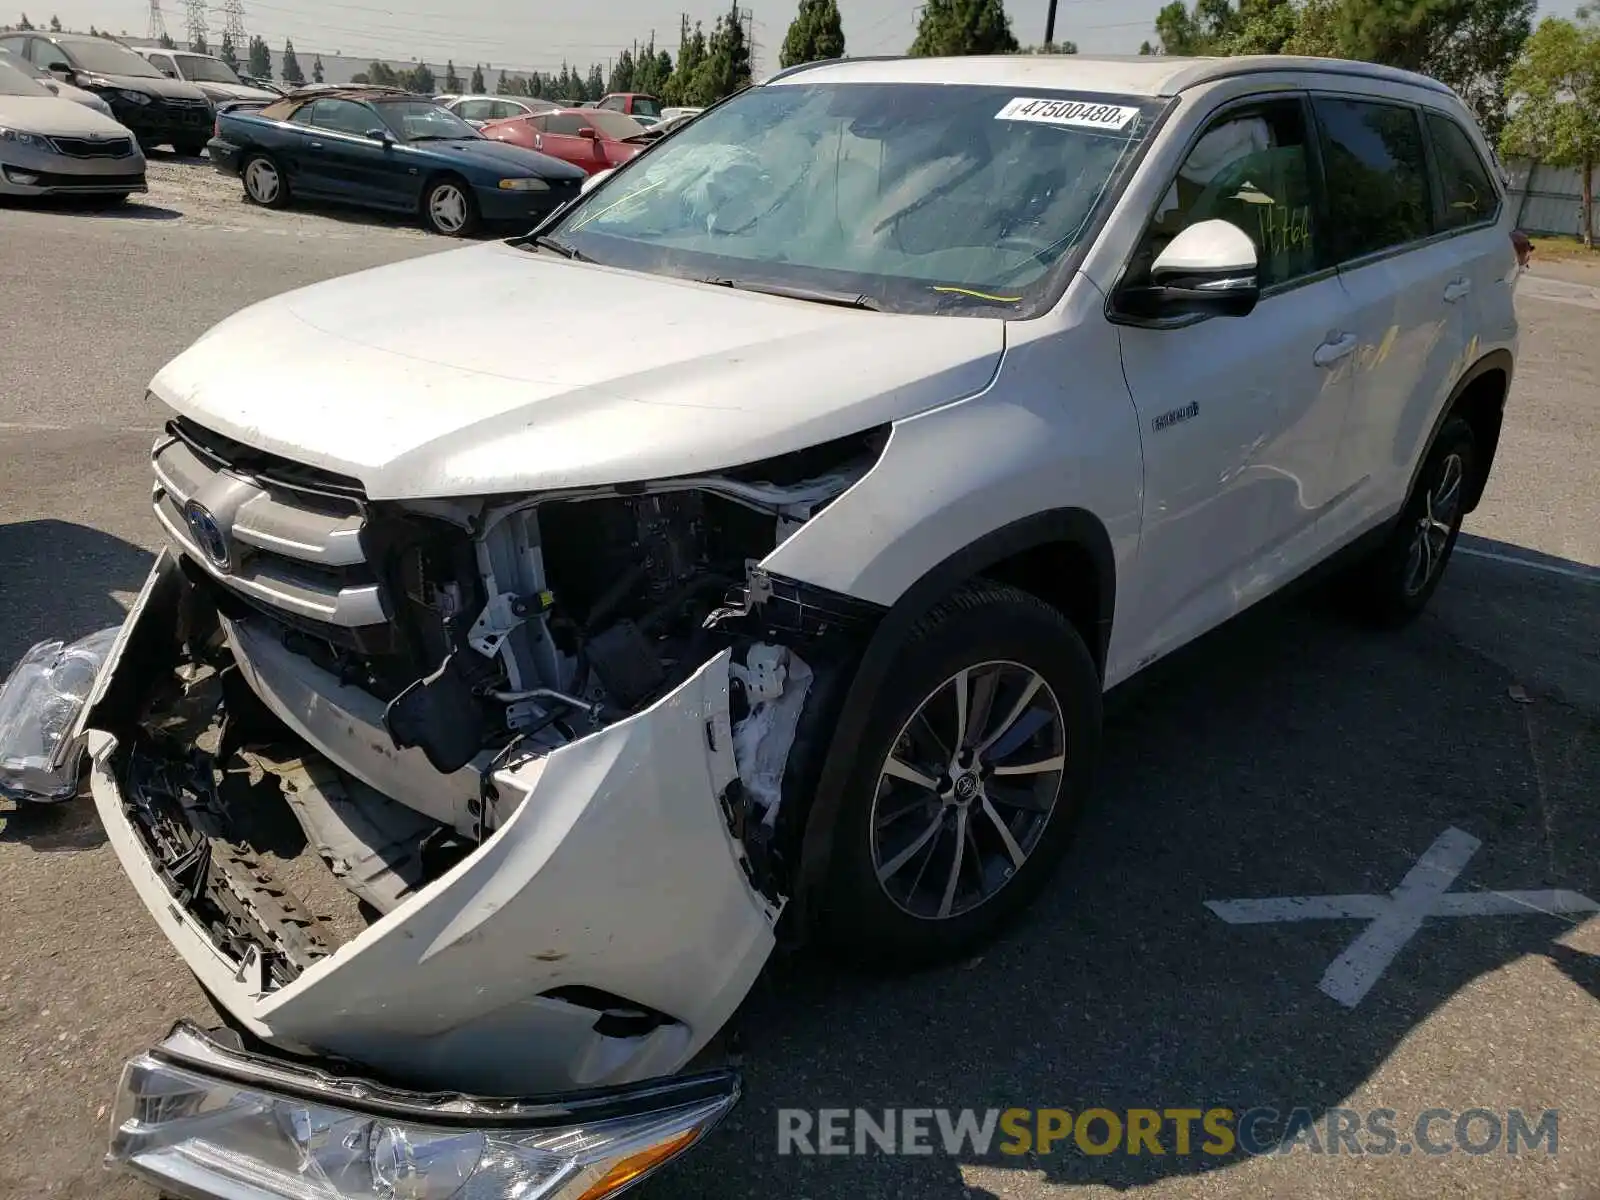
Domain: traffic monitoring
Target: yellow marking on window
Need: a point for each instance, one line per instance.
(961, 291)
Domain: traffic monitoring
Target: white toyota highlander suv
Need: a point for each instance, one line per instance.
(951, 393)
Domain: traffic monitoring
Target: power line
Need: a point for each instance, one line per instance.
(158, 22)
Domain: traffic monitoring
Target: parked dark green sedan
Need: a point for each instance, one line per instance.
(381, 149)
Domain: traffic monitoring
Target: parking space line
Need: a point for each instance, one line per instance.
(1586, 574)
(1396, 918)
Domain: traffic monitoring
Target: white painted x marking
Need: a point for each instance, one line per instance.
(1396, 918)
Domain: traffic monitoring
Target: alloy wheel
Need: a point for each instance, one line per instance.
(967, 789)
(261, 181)
(1440, 513)
(447, 208)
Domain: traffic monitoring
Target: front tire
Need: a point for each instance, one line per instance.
(264, 183)
(449, 208)
(1394, 584)
(972, 772)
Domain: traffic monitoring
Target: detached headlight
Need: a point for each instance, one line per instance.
(34, 141)
(298, 1134)
(524, 185)
(133, 97)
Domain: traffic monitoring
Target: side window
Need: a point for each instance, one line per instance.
(1468, 193)
(164, 64)
(567, 123)
(537, 123)
(343, 116)
(499, 109)
(1252, 167)
(302, 115)
(15, 46)
(614, 103)
(474, 110)
(1377, 176)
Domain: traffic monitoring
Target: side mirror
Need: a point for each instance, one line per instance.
(380, 135)
(1210, 268)
(595, 181)
(169, 72)
(61, 69)
(588, 131)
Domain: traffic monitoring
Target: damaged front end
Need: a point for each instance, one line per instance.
(479, 795)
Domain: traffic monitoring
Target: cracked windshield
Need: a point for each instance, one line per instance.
(915, 198)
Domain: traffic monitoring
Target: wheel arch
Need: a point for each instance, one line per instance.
(1064, 556)
(1479, 398)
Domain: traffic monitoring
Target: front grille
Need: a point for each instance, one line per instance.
(285, 536)
(84, 148)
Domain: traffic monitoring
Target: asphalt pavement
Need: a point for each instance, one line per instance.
(1288, 755)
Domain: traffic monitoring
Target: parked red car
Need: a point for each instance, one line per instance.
(635, 104)
(591, 138)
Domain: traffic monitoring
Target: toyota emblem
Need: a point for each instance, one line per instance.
(208, 535)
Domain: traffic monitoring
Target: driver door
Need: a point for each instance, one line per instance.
(1241, 416)
(341, 161)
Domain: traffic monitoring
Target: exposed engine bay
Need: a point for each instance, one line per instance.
(516, 629)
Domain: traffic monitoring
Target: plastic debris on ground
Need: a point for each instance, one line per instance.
(39, 705)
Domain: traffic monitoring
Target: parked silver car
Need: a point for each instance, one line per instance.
(49, 145)
(54, 86)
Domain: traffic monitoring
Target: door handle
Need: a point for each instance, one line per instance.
(1331, 352)
(316, 145)
(1456, 289)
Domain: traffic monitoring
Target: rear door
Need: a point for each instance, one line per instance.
(1406, 281)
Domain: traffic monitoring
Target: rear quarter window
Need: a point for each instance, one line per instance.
(1468, 195)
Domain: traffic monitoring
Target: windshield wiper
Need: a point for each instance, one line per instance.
(815, 295)
(545, 242)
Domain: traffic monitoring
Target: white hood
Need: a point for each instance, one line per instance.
(52, 115)
(493, 369)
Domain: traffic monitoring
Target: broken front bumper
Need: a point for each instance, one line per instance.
(616, 876)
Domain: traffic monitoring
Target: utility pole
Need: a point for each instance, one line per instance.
(747, 19)
(158, 22)
(195, 21)
(233, 13)
(1050, 24)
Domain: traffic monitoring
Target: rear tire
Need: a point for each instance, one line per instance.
(188, 149)
(264, 183)
(1394, 584)
(899, 891)
(448, 207)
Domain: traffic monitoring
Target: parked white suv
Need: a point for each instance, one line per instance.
(956, 392)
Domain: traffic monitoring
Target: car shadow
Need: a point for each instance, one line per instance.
(1289, 753)
(57, 580)
(93, 206)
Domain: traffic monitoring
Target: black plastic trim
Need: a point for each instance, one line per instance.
(1495, 360)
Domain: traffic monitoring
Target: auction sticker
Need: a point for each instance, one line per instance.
(1079, 113)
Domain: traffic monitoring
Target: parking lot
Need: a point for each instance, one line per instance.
(1289, 755)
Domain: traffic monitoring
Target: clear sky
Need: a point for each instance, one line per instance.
(540, 33)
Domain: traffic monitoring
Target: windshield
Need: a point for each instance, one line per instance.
(614, 125)
(13, 82)
(197, 68)
(423, 120)
(108, 58)
(924, 198)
